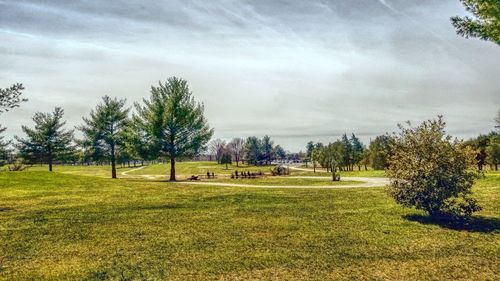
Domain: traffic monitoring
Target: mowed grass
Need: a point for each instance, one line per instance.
(56, 226)
(103, 171)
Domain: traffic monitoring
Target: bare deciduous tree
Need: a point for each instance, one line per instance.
(238, 148)
(216, 148)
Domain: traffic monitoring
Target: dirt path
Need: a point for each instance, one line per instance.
(128, 171)
(366, 181)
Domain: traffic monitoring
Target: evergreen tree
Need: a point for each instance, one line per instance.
(381, 151)
(253, 150)
(347, 151)
(48, 140)
(309, 149)
(357, 151)
(267, 149)
(9, 98)
(279, 152)
(4, 150)
(485, 23)
(172, 122)
(104, 129)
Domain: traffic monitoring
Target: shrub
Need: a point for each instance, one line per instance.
(431, 172)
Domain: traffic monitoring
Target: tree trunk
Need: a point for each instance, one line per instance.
(496, 167)
(113, 162)
(172, 169)
(50, 161)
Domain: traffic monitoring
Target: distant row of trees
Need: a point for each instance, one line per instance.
(252, 150)
(344, 153)
(350, 152)
(169, 124)
(487, 149)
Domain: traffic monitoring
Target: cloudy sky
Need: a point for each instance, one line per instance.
(296, 70)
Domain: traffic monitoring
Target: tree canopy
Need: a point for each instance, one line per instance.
(484, 23)
(237, 147)
(172, 122)
(11, 97)
(104, 129)
(380, 151)
(47, 140)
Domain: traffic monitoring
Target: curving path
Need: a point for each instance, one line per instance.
(366, 181)
(128, 171)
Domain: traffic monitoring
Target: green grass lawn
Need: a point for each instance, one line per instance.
(103, 171)
(63, 226)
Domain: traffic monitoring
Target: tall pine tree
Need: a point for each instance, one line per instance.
(357, 151)
(9, 98)
(47, 140)
(104, 129)
(172, 122)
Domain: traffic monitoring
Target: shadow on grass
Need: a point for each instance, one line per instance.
(160, 207)
(474, 224)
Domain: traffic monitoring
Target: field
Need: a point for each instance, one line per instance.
(74, 224)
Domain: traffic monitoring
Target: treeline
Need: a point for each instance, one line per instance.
(347, 153)
(251, 150)
(169, 125)
(487, 148)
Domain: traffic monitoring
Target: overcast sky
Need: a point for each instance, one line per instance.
(296, 70)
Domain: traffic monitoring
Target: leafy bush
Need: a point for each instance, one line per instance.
(431, 172)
